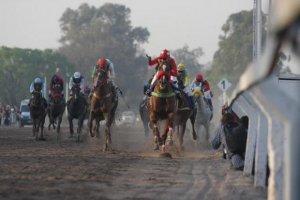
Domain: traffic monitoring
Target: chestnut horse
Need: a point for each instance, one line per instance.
(161, 106)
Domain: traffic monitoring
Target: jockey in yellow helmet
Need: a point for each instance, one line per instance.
(183, 78)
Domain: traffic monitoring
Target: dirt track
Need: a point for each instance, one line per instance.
(45, 170)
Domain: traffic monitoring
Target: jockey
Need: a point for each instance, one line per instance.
(56, 83)
(76, 80)
(170, 62)
(183, 78)
(183, 83)
(205, 88)
(37, 86)
(104, 63)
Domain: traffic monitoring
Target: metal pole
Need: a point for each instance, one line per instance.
(257, 33)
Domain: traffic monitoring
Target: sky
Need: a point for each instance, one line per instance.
(172, 23)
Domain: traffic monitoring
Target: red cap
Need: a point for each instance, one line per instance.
(199, 77)
(101, 62)
(164, 54)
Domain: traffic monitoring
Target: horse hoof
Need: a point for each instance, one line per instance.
(156, 148)
(164, 148)
(194, 137)
(42, 139)
(165, 155)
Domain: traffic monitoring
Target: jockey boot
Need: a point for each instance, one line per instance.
(150, 89)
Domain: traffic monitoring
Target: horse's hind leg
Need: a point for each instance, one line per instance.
(109, 121)
(192, 120)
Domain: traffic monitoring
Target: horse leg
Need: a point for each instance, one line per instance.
(156, 136)
(97, 128)
(42, 123)
(90, 124)
(109, 121)
(70, 119)
(80, 124)
(192, 120)
(59, 119)
(206, 126)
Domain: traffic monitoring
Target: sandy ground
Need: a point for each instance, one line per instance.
(45, 170)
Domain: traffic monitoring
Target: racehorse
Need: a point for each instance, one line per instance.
(202, 115)
(56, 110)
(77, 109)
(103, 101)
(162, 105)
(184, 112)
(38, 111)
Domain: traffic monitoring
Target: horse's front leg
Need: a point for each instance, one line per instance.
(192, 120)
(79, 129)
(109, 121)
(70, 119)
(156, 136)
(59, 120)
(90, 124)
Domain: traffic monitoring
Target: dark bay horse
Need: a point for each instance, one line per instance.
(38, 111)
(103, 102)
(77, 109)
(56, 110)
(183, 114)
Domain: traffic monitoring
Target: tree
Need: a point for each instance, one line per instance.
(90, 33)
(189, 57)
(18, 67)
(235, 47)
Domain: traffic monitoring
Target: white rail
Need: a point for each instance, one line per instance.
(273, 109)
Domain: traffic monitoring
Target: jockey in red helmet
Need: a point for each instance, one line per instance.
(56, 85)
(105, 64)
(199, 81)
(169, 61)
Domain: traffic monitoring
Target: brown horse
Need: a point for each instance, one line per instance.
(56, 110)
(103, 101)
(184, 112)
(162, 105)
(38, 111)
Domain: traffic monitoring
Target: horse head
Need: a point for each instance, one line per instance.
(76, 91)
(102, 75)
(37, 98)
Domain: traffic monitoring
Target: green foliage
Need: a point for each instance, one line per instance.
(18, 67)
(90, 33)
(235, 47)
(189, 57)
